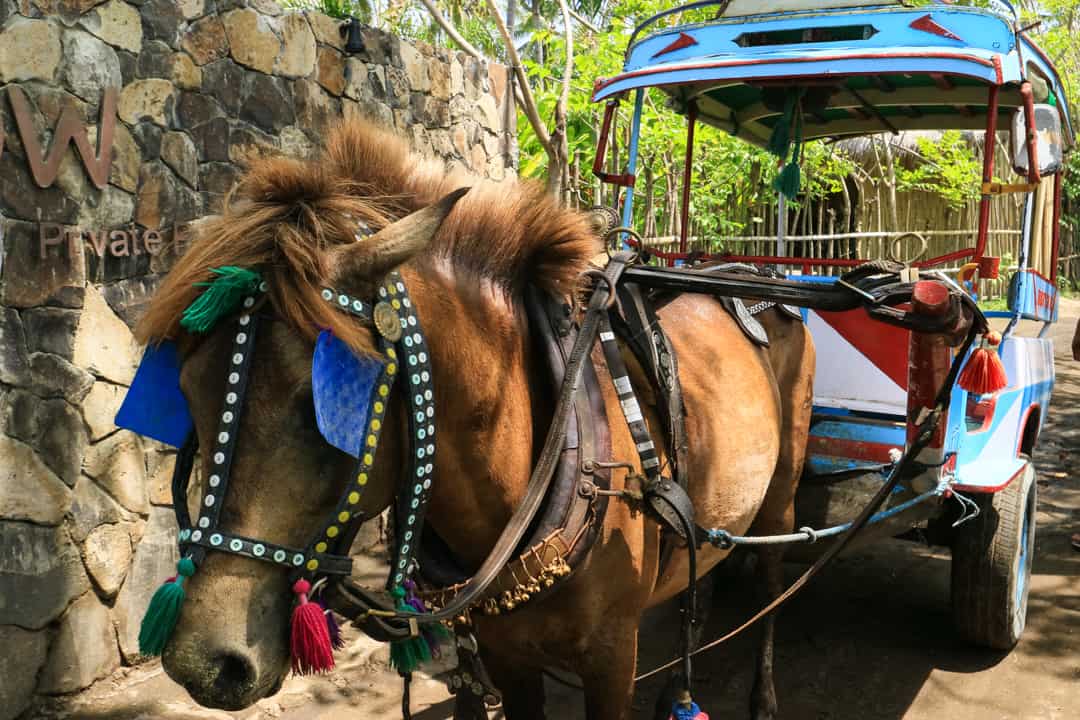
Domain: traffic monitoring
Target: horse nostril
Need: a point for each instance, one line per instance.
(235, 673)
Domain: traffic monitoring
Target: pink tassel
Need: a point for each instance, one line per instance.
(310, 637)
(984, 372)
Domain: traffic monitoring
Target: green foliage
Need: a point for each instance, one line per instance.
(341, 9)
(947, 166)
(993, 304)
(721, 180)
(731, 191)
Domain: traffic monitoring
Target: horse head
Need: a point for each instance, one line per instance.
(360, 214)
(230, 645)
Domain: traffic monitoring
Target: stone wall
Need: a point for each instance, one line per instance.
(86, 533)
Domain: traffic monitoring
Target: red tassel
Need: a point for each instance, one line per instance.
(984, 372)
(310, 638)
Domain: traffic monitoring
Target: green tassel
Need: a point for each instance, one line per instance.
(789, 180)
(407, 655)
(220, 298)
(788, 124)
(780, 139)
(161, 616)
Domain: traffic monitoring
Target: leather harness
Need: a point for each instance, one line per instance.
(561, 515)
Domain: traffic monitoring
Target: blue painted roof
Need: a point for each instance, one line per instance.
(874, 68)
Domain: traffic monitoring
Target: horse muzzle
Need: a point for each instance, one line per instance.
(220, 675)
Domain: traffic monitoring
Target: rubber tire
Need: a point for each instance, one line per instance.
(988, 610)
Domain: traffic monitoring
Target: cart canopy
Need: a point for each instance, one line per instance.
(861, 67)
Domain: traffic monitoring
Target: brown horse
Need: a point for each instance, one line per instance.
(747, 412)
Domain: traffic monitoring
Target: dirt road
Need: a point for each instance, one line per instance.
(870, 639)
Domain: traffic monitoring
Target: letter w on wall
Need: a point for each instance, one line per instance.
(68, 130)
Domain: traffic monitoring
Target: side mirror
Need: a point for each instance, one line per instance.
(1049, 145)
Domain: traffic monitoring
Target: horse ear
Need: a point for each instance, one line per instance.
(397, 242)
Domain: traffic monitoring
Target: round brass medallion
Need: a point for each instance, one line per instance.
(387, 322)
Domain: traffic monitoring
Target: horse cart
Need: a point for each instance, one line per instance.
(417, 353)
(841, 69)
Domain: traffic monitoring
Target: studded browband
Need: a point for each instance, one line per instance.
(404, 350)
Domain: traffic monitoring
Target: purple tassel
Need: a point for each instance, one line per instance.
(332, 627)
(431, 633)
(412, 598)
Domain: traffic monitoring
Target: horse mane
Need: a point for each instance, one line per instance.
(286, 214)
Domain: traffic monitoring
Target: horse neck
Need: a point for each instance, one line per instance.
(479, 347)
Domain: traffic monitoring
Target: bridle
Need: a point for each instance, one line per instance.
(159, 410)
(404, 354)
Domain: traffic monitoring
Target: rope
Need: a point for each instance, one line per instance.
(723, 539)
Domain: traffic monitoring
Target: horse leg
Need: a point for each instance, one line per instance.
(763, 705)
(608, 672)
(777, 516)
(468, 706)
(792, 358)
(675, 681)
(522, 688)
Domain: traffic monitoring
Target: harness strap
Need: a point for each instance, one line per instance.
(185, 461)
(640, 328)
(347, 599)
(667, 499)
(620, 376)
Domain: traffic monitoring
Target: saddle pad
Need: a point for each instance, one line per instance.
(749, 324)
(154, 405)
(342, 384)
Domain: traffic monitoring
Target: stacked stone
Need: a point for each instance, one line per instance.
(86, 532)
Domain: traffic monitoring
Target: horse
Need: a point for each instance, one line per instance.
(467, 261)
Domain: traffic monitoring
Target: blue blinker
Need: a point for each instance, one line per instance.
(154, 405)
(342, 384)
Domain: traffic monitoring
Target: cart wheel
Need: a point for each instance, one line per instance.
(991, 566)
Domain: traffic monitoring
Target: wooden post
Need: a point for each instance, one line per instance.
(989, 146)
(1055, 237)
